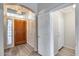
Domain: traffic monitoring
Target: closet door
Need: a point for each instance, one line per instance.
(58, 30)
(55, 31)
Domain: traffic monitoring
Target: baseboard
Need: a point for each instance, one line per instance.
(9, 46)
(55, 53)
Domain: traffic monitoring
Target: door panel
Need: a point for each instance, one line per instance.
(19, 32)
(58, 25)
(60, 31)
(55, 32)
(44, 34)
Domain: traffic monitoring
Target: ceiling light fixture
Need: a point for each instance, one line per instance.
(74, 5)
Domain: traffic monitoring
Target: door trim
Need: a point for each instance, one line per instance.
(13, 29)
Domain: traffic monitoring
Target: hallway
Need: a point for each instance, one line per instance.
(26, 31)
(21, 50)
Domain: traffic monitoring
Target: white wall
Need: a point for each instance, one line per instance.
(69, 27)
(1, 31)
(44, 34)
(31, 36)
(77, 29)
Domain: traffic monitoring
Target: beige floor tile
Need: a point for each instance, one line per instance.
(66, 52)
(21, 50)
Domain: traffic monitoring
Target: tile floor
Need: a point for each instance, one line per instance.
(21, 50)
(66, 52)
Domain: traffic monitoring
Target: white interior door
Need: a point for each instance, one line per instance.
(44, 34)
(55, 32)
(58, 28)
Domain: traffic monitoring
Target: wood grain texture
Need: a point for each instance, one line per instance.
(19, 32)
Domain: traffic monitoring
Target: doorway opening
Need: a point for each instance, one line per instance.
(64, 31)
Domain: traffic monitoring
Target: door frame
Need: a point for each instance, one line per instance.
(14, 18)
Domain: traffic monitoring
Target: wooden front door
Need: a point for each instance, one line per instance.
(19, 32)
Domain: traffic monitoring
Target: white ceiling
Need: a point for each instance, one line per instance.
(42, 6)
(32, 6)
(37, 7)
(67, 9)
